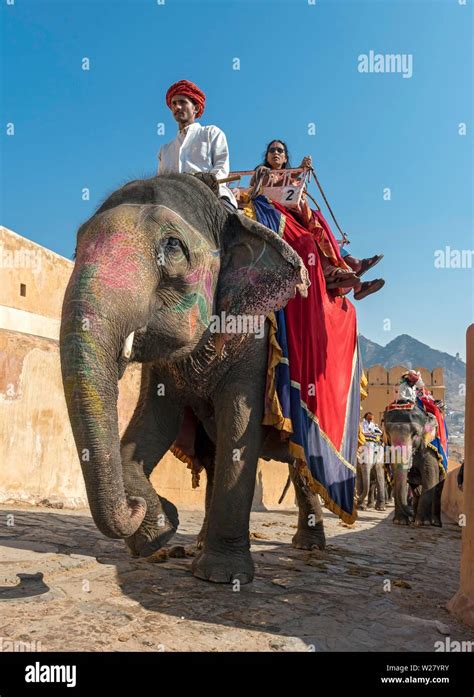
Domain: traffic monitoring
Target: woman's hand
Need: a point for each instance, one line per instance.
(307, 162)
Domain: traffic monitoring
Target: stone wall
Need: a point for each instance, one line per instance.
(452, 500)
(32, 284)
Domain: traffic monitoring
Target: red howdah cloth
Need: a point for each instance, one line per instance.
(322, 338)
(432, 408)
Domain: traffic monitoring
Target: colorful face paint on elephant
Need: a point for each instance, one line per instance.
(197, 301)
(189, 267)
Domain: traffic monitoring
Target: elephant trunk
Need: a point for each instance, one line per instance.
(401, 457)
(89, 364)
(109, 296)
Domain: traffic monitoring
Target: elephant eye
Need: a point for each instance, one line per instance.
(173, 243)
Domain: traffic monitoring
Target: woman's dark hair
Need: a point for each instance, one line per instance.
(277, 140)
(367, 413)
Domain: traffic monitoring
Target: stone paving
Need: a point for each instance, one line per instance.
(377, 587)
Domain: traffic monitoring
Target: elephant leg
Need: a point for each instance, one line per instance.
(364, 465)
(388, 480)
(436, 510)
(206, 453)
(225, 556)
(380, 486)
(310, 532)
(152, 430)
(416, 500)
(403, 514)
(414, 486)
(358, 480)
(427, 464)
(372, 490)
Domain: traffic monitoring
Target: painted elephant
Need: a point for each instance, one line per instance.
(154, 264)
(371, 476)
(414, 462)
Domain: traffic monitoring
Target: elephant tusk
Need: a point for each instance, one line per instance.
(127, 347)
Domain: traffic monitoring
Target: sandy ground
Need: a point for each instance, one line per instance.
(377, 587)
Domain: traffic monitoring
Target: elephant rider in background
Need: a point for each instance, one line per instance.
(372, 434)
(196, 148)
(412, 389)
(369, 427)
(340, 269)
(407, 389)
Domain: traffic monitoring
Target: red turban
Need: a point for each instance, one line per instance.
(190, 90)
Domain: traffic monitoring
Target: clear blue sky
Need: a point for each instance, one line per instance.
(299, 64)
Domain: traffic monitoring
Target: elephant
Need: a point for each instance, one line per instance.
(158, 261)
(409, 432)
(371, 476)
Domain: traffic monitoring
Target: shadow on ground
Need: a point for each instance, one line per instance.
(376, 587)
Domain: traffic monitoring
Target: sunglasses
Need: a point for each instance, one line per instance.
(280, 150)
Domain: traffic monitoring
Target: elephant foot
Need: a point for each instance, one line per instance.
(153, 535)
(434, 520)
(379, 507)
(420, 522)
(361, 506)
(224, 567)
(144, 544)
(402, 517)
(310, 538)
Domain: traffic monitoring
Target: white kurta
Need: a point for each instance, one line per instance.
(406, 391)
(198, 149)
(370, 428)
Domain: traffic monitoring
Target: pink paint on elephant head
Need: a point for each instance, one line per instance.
(116, 260)
(201, 275)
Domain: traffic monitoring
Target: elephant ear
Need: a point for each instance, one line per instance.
(259, 272)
